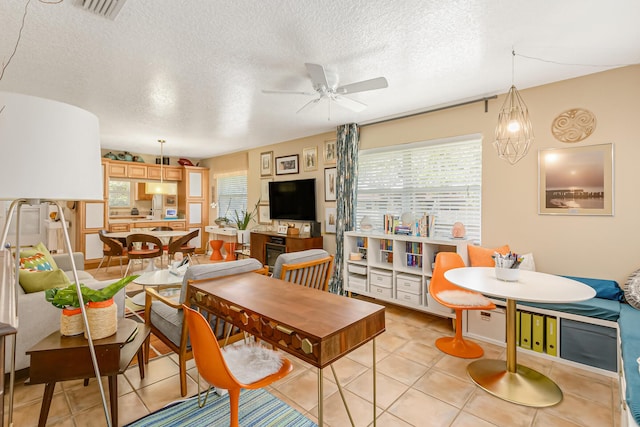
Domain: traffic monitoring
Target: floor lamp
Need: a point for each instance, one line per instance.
(50, 152)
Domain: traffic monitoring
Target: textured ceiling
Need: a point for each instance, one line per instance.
(192, 71)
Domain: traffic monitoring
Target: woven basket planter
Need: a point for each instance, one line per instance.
(103, 318)
(71, 322)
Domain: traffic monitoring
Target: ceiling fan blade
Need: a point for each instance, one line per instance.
(371, 84)
(309, 104)
(317, 74)
(288, 92)
(350, 104)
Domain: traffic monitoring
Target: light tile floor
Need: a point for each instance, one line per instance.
(417, 385)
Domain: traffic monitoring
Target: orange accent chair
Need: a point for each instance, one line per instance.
(213, 368)
(456, 345)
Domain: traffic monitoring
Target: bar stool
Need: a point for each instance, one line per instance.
(230, 247)
(216, 245)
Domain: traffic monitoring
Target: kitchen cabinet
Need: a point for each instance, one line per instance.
(170, 173)
(141, 192)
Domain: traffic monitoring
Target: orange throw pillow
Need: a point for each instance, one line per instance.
(482, 257)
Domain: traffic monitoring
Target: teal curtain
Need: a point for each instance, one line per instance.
(348, 140)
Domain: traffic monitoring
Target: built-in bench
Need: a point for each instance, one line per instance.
(609, 305)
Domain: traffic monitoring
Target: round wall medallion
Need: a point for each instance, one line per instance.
(573, 125)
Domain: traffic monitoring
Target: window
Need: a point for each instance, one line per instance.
(119, 194)
(232, 194)
(441, 178)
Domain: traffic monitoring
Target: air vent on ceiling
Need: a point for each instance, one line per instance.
(107, 8)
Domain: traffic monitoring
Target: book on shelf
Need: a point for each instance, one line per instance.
(426, 224)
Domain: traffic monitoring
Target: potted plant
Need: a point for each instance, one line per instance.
(223, 220)
(242, 219)
(101, 310)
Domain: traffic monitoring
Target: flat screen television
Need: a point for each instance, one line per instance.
(293, 200)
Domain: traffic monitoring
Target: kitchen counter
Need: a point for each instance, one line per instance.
(137, 220)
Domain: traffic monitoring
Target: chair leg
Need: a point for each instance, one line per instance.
(121, 267)
(457, 345)
(100, 265)
(126, 272)
(234, 402)
(183, 376)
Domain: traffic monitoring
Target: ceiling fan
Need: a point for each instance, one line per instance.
(325, 85)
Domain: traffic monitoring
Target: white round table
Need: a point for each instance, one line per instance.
(506, 379)
(154, 278)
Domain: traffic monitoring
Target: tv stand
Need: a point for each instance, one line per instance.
(266, 245)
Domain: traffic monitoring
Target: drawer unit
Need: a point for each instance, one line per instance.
(409, 298)
(592, 345)
(357, 282)
(409, 284)
(357, 269)
(380, 291)
(381, 278)
(488, 323)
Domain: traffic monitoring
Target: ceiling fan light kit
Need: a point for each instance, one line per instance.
(325, 84)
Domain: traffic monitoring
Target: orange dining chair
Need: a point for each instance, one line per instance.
(213, 367)
(458, 299)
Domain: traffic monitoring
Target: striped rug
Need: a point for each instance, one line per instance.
(257, 408)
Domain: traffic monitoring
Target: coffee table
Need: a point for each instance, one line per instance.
(506, 379)
(155, 278)
(59, 358)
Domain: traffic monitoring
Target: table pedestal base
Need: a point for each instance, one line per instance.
(524, 387)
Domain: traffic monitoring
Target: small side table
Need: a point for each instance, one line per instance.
(230, 248)
(5, 331)
(216, 245)
(58, 358)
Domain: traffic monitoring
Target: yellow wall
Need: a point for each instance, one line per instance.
(591, 246)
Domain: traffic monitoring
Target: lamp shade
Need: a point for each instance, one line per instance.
(50, 150)
(161, 188)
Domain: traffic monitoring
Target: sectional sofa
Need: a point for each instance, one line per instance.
(37, 318)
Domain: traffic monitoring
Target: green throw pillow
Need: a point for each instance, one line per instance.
(36, 281)
(41, 248)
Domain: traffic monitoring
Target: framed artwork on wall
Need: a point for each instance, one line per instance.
(266, 163)
(330, 219)
(287, 165)
(170, 200)
(264, 190)
(263, 215)
(310, 159)
(330, 153)
(576, 181)
(330, 184)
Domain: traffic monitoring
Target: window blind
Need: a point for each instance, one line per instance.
(232, 194)
(441, 178)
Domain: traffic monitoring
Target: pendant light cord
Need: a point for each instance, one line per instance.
(161, 141)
